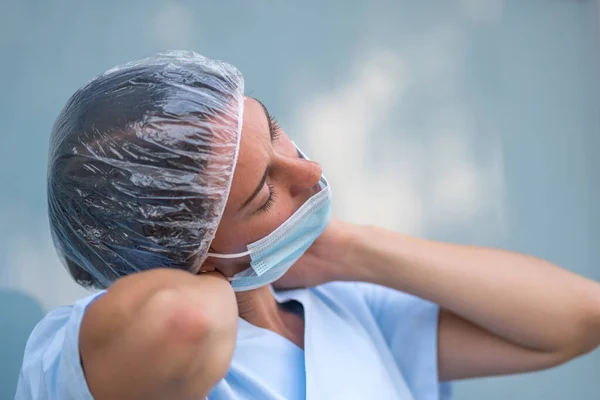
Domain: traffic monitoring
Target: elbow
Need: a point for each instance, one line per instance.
(590, 325)
(187, 318)
(177, 320)
(201, 333)
(590, 335)
(585, 333)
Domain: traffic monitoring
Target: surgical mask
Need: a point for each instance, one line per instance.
(272, 256)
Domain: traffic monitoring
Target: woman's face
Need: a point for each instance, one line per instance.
(270, 183)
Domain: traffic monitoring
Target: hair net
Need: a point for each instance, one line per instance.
(140, 166)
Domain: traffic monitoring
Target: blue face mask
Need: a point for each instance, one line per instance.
(272, 256)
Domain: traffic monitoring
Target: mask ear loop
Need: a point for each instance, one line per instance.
(248, 252)
(227, 256)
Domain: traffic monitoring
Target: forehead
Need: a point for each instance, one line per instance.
(254, 117)
(254, 154)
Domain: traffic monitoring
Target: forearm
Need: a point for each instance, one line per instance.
(524, 300)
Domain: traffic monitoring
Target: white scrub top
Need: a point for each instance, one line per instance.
(362, 341)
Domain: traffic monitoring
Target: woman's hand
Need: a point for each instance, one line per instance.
(160, 334)
(328, 259)
(501, 312)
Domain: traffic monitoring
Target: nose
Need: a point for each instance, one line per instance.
(301, 175)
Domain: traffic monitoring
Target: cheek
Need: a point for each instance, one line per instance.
(230, 238)
(234, 237)
(265, 223)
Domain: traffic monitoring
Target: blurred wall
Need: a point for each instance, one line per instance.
(472, 121)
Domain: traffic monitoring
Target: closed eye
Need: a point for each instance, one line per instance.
(267, 206)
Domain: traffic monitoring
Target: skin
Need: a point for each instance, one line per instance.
(264, 145)
(169, 334)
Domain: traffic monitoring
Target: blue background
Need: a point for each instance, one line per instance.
(472, 121)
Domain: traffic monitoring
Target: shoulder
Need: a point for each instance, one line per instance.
(55, 327)
(51, 365)
(391, 310)
(366, 293)
(351, 300)
(347, 294)
(404, 325)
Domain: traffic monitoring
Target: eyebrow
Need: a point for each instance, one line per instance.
(269, 118)
(264, 177)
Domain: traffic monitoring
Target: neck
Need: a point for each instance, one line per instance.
(260, 308)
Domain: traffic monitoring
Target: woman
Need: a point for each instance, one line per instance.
(162, 167)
